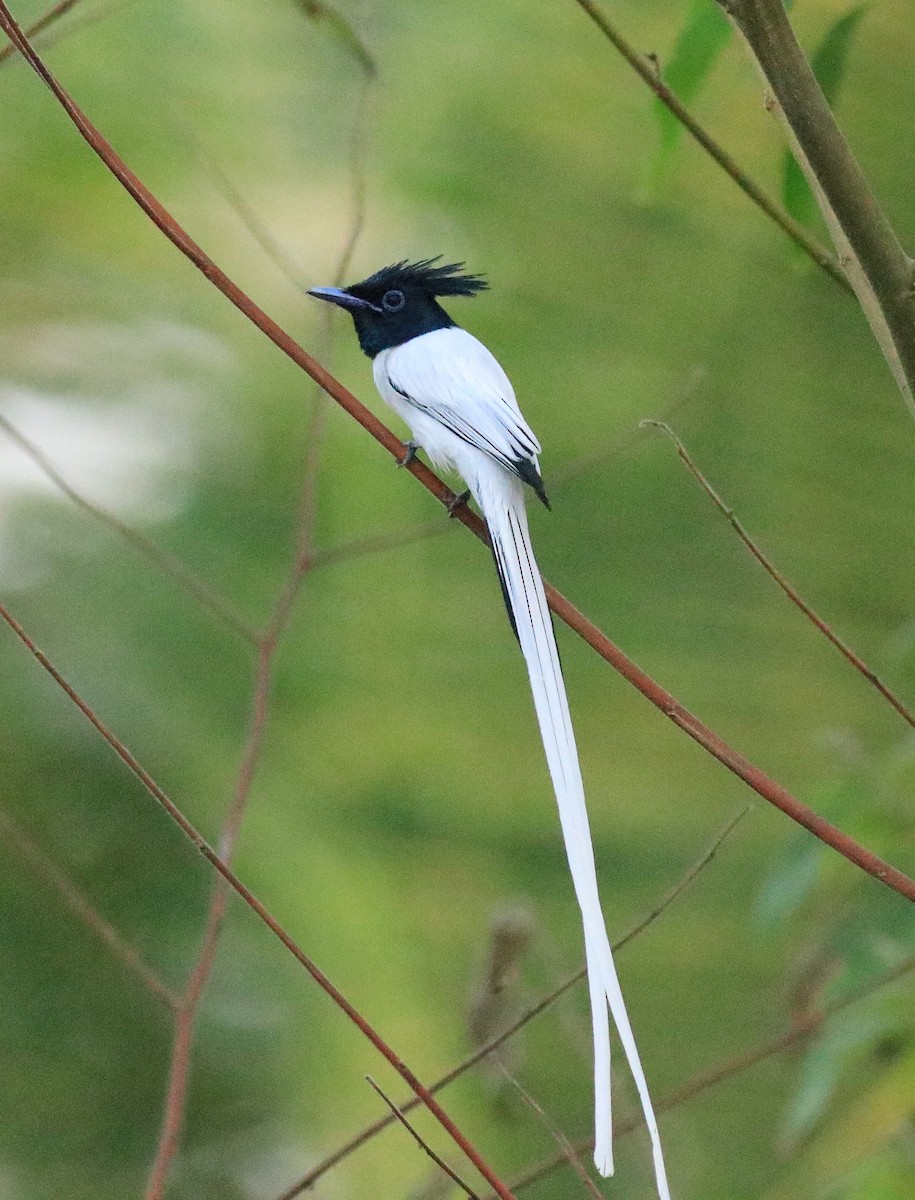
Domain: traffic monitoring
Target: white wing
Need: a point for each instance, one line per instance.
(451, 377)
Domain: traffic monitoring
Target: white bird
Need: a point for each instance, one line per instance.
(462, 412)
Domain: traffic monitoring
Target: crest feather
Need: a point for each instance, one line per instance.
(449, 279)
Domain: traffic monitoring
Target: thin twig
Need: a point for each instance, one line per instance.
(882, 273)
(363, 547)
(77, 902)
(54, 13)
(769, 567)
(319, 10)
(414, 1133)
(488, 1048)
(599, 457)
(267, 643)
(568, 1151)
(266, 243)
(729, 1067)
(761, 783)
(199, 841)
(185, 1022)
(206, 597)
(648, 73)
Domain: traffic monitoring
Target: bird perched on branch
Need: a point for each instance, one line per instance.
(462, 412)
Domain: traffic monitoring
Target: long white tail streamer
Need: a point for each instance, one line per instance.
(504, 510)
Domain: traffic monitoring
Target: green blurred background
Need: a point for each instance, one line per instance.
(402, 802)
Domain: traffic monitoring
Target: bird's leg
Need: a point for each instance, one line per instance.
(412, 448)
(455, 503)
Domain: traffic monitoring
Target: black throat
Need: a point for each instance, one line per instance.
(382, 331)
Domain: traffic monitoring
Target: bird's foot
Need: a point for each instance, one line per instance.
(456, 501)
(405, 461)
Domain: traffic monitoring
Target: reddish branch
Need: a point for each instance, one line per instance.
(54, 13)
(397, 1114)
(791, 592)
(267, 643)
(493, 1044)
(761, 783)
(730, 1067)
(186, 1014)
(200, 842)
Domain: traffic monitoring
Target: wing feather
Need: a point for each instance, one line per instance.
(458, 383)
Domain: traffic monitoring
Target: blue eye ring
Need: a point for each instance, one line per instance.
(393, 301)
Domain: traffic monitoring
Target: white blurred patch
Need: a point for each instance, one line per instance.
(118, 417)
(12, 1183)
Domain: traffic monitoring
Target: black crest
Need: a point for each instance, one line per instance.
(400, 302)
(449, 279)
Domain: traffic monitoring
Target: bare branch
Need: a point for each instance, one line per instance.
(761, 783)
(362, 547)
(77, 902)
(54, 13)
(484, 1051)
(267, 644)
(565, 1146)
(729, 1068)
(319, 10)
(647, 71)
(414, 1133)
(626, 438)
(199, 841)
(880, 271)
(186, 1016)
(206, 597)
(791, 592)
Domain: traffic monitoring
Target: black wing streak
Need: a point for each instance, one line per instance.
(522, 466)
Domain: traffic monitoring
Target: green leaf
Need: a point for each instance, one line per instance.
(803, 862)
(789, 885)
(828, 63)
(698, 45)
(842, 1045)
(869, 1123)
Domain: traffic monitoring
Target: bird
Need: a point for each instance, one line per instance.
(462, 413)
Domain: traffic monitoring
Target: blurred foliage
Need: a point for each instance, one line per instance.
(854, 1096)
(703, 37)
(402, 798)
(829, 62)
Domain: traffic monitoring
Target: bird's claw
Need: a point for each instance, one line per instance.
(455, 502)
(407, 458)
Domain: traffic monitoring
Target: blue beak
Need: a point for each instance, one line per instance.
(344, 299)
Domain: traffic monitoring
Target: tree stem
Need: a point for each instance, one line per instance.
(887, 269)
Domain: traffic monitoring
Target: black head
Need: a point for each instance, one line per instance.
(399, 302)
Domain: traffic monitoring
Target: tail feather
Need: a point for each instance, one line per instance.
(525, 598)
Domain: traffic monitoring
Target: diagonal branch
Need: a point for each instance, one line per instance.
(77, 902)
(397, 1114)
(569, 1153)
(729, 1068)
(267, 643)
(648, 73)
(54, 13)
(791, 592)
(206, 597)
(365, 1135)
(755, 778)
(882, 274)
(202, 845)
(186, 1014)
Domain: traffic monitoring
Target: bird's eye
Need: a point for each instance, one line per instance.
(393, 301)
